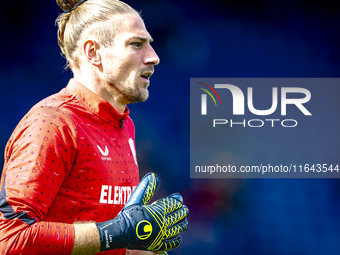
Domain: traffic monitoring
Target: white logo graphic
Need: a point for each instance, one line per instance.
(104, 153)
(238, 100)
(117, 195)
(133, 149)
(239, 105)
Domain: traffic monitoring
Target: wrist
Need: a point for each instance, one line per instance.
(111, 235)
(86, 239)
(122, 231)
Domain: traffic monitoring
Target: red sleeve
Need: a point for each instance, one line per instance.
(38, 158)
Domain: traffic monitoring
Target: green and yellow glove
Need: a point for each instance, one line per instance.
(140, 226)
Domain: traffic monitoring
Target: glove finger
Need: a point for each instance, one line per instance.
(171, 243)
(177, 216)
(169, 204)
(177, 196)
(145, 190)
(176, 229)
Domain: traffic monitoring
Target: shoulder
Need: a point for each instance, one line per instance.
(56, 103)
(56, 108)
(47, 116)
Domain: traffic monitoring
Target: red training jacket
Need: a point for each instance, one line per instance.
(71, 158)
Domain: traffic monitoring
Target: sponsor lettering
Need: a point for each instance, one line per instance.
(117, 195)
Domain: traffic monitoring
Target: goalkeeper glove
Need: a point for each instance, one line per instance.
(140, 226)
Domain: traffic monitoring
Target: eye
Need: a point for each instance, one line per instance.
(137, 44)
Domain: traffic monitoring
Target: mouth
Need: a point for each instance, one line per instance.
(146, 75)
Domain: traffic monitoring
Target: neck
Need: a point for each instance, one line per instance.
(96, 85)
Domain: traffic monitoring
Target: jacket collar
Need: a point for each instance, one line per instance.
(96, 104)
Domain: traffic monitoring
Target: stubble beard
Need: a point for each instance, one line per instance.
(135, 94)
(130, 92)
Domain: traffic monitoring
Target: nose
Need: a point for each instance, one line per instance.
(151, 56)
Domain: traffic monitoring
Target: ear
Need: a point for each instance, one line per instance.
(91, 50)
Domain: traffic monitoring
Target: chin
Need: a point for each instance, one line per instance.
(144, 97)
(140, 97)
(143, 94)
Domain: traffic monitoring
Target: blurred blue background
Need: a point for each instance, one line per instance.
(201, 39)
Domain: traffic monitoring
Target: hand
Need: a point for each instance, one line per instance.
(141, 226)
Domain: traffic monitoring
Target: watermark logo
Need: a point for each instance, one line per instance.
(295, 96)
(238, 99)
(263, 127)
(204, 98)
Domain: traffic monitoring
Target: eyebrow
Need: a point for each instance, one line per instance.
(142, 38)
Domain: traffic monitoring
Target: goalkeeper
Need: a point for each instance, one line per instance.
(70, 182)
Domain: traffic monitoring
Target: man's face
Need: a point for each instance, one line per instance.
(128, 62)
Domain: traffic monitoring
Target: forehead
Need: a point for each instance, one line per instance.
(130, 26)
